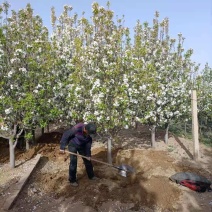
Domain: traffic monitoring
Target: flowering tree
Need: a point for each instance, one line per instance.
(204, 88)
(25, 81)
(166, 71)
(97, 92)
(64, 44)
(111, 82)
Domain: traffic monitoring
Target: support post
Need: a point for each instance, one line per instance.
(109, 150)
(195, 133)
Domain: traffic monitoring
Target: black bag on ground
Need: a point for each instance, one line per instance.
(192, 181)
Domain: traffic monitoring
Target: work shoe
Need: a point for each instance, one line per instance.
(94, 178)
(74, 184)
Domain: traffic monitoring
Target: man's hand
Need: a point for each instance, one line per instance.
(89, 158)
(62, 151)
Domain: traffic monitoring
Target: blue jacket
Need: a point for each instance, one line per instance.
(75, 135)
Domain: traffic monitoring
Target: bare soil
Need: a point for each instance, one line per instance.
(149, 189)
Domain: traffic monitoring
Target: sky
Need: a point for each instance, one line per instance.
(192, 18)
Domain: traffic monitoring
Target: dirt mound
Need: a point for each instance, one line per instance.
(147, 187)
(53, 138)
(47, 143)
(156, 191)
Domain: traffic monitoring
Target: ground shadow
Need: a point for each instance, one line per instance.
(132, 138)
(183, 147)
(23, 162)
(140, 137)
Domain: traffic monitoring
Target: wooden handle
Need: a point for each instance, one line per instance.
(92, 159)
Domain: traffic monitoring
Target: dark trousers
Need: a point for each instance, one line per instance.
(73, 162)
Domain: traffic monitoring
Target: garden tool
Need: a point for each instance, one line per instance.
(123, 169)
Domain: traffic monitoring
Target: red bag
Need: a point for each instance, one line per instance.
(195, 185)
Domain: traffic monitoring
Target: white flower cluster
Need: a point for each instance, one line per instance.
(4, 128)
(8, 111)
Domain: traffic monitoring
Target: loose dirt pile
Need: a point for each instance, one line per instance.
(149, 189)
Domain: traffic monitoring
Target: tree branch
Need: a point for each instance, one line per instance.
(5, 137)
(17, 137)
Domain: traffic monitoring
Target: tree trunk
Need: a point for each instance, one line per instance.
(200, 130)
(42, 130)
(136, 125)
(166, 138)
(27, 144)
(109, 150)
(13, 139)
(200, 127)
(33, 137)
(47, 128)
(27, 141)
(12, 153)
(153, 144)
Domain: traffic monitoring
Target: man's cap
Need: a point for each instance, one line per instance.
(91, 128)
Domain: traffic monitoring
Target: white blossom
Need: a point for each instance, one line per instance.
(8, 111)
(4, 128)
(10, 73)
(23, 70)
(126, 126)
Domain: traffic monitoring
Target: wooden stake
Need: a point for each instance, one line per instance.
(195, 133)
